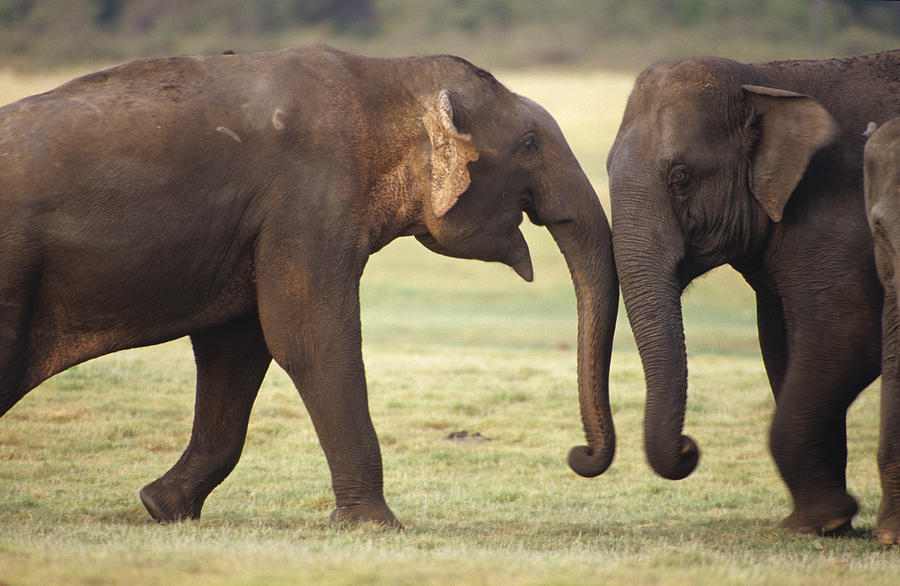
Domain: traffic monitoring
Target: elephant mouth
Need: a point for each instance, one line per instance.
(513, 253)
(531, 212)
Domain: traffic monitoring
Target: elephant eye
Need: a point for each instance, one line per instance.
(530, 145)
(678, 177)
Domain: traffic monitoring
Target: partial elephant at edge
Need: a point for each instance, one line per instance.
(881, 169)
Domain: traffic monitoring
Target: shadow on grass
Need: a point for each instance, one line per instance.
(731, 537)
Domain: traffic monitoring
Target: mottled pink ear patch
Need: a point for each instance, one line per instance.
(451, 152)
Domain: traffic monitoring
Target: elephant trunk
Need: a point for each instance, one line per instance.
(585, 241)
(652, 294)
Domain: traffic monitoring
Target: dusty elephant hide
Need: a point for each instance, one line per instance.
(236, 199)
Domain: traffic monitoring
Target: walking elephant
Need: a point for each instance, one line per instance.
(758, 166)
(237, 198)
(881, 172)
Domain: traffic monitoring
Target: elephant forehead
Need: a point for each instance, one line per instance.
(883, 158)
(536, 114)
(677, 131)
(882, 152)
(504, 119)
(671, 133)
(886, 139)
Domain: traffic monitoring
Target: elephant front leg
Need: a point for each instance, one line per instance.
(336, 399)
(887, 526)
(818, 363)
(808, 443)
(232, 360)
(317, 341)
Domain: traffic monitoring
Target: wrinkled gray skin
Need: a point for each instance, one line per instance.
(760, 167)
(881, 170)
(237, 198)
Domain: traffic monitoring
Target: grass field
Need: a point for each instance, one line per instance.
(449, 345)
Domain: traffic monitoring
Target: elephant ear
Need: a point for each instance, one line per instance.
(451, 151)
(789, 128)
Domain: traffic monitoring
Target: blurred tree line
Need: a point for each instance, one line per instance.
(504, 32)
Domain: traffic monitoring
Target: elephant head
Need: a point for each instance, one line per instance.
(882, 174)
(495, 155)
(702, 167)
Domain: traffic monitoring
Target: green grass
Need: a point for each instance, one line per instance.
(449, 345)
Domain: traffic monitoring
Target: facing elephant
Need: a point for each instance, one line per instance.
(758, 166)
(881, 172)
(237, 198)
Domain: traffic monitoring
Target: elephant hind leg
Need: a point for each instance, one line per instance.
(13, 374)
(232, 360)
(12, 388)
(20, 366)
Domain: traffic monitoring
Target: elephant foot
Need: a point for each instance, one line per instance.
(166, 503)
(888, 534)
(887, 527)
(828, 528)
(832, 523)
(375, 512)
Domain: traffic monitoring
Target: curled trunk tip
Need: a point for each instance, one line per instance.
(587, 462)
(681, 465)
(652, 288)
(584, 238)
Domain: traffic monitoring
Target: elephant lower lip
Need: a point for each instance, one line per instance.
(519, 258)
(524, 269)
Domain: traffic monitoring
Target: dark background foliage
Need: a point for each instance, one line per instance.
(509, 33)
